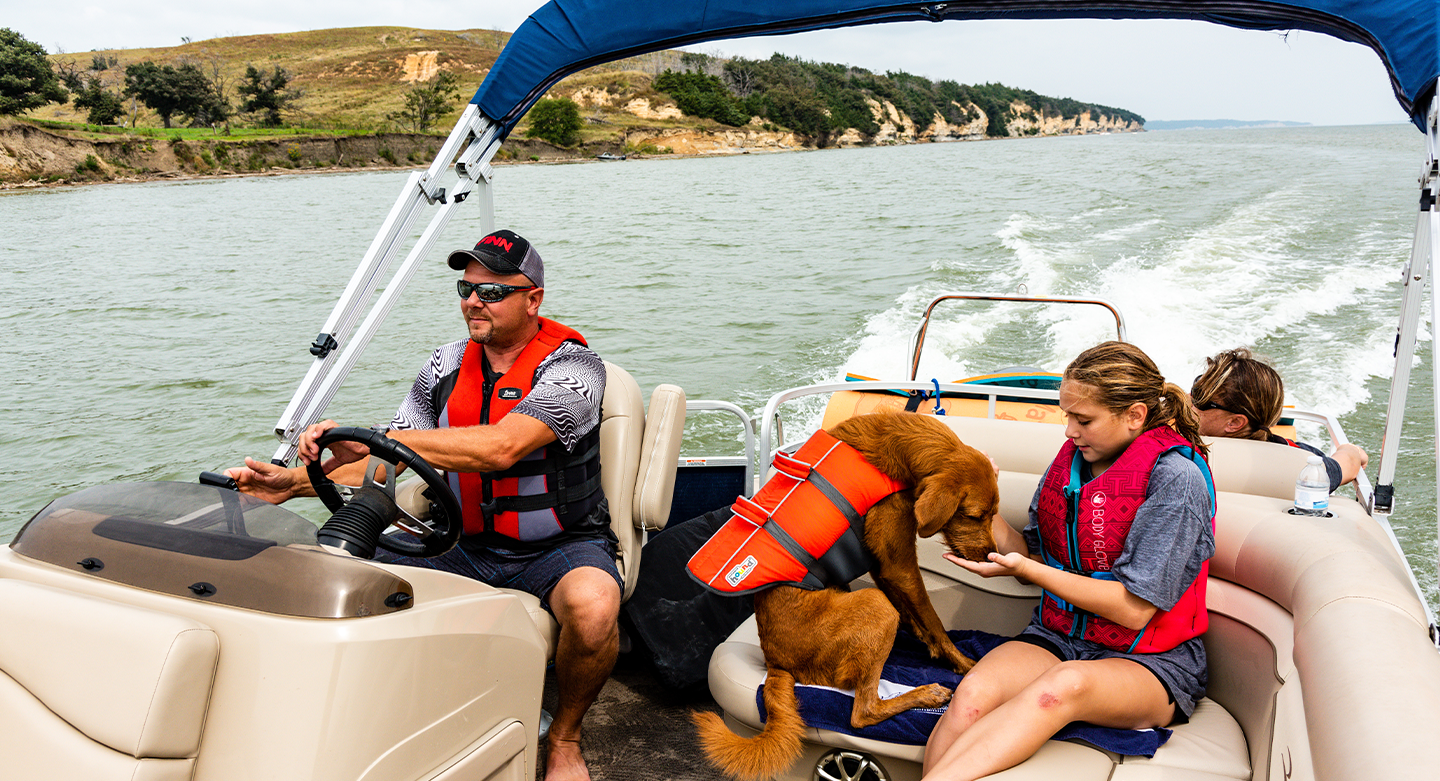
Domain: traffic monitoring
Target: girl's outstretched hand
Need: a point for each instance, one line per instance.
(996, 564)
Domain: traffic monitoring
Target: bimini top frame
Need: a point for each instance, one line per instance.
(566, 36)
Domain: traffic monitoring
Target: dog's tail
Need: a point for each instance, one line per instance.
(767, 754)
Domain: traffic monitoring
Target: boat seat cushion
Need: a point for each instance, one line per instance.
(1210, 746)
(82, 674)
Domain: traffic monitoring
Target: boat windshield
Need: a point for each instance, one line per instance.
(208, 544)
(231, 524)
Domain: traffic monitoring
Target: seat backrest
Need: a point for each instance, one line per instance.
(638, 459)
(1245, 466)
(95, 689)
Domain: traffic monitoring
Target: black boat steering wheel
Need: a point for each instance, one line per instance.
(361, 513)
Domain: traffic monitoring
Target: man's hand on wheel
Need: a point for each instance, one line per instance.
(344, 452)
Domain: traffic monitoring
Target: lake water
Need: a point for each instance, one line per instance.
(151, 331)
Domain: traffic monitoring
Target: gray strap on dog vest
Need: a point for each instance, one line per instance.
(848, 558)
(829, 491)
(812, 581)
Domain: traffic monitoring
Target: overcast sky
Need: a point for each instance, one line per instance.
(1161, 70)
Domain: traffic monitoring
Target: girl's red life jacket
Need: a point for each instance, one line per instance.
(804, 527)
(1083, 530)
(546, 491)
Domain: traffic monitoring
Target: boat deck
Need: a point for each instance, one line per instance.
(639, 729)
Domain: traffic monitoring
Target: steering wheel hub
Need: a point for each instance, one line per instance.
(362, 513)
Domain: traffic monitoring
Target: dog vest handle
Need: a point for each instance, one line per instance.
(750, 511)
(791, 466)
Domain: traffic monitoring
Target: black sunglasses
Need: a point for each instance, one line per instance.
(489, 292)
(1206, 406)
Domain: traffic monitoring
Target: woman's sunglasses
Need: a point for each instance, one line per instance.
(489, 292)
(1205, 406)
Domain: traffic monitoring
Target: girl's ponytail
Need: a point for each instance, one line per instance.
(1182, 416)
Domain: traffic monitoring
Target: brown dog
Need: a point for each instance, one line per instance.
(839, 638)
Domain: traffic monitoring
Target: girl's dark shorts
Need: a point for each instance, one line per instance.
(1181, 670)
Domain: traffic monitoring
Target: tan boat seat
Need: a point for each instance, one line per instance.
(1211, 746)
(99, 690)
(639, 454)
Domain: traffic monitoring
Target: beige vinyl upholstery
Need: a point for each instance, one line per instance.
(639, 454)
(659, 460)
(1311, 623)
(95, 689)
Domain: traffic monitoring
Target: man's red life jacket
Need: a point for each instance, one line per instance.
(546, 491)
(803, 528)
(1083, 530)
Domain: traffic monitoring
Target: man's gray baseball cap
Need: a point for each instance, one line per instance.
(503, 252)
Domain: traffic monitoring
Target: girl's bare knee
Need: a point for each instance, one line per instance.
(978, 691)
(1066, 685)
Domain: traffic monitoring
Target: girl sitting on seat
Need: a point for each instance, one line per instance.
(1120, 533)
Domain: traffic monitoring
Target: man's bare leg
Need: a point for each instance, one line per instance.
(587, 604)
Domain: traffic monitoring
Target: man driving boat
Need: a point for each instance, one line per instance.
(512, 415)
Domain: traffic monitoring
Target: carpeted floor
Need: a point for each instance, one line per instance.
(639, 729)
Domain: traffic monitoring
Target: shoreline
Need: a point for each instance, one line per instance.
(566, 157)
(180, 176)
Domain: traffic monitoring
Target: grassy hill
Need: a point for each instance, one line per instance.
(350, 78)
(350, 81)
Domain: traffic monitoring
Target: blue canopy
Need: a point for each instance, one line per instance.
(569, 35)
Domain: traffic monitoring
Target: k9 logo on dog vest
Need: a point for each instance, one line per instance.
(741, 571)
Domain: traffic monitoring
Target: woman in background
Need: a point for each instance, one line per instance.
(1241, 396)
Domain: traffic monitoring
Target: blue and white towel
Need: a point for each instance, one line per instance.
(909, 666)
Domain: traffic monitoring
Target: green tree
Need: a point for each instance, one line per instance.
(556, 120)
(26, 79)
(702, 95)
(105, 107)
(268, 92)
(427, 102)
(168, 90)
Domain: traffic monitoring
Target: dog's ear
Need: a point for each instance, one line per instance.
(936, 499)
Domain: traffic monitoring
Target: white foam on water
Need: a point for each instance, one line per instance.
(885, 349)
(1242, 280)
(1036, 257)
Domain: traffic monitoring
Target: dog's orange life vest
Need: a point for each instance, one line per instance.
(803, 528)
(1083, 527)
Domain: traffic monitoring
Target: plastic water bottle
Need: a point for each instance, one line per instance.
(1312, 488)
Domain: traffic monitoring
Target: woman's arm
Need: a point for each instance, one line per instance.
(1351, 460)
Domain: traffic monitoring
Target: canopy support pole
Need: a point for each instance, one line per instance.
(1424, 254)
(470, 145)
(1413, 282)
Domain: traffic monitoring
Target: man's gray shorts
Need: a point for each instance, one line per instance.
(536, 573)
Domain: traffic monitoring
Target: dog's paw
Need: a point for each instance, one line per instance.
(933, 695)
